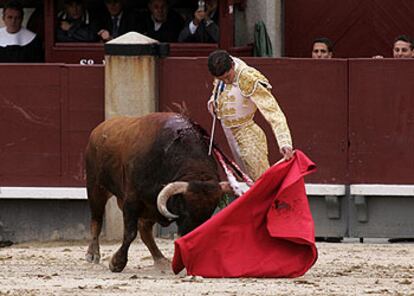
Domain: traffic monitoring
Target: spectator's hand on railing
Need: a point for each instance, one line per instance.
(105, 35)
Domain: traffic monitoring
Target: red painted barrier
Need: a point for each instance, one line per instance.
(313, 95)
(381, 127)
(356, 28)
(47, 112)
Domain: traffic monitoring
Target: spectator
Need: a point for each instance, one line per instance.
(202, 27)
(162, 23)
(116, 21)
(75, 24)
(18, 44)
(322, 48)
(403, 47)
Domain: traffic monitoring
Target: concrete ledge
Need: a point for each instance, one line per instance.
(78, 193)
(325, 189)
(382, 190)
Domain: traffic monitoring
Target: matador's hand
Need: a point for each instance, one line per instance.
(287, 152)
(210, 106)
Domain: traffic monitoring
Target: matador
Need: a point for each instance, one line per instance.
(239, 90)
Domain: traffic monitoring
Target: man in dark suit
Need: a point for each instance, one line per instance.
(75, 24)
(162, 24)
(117, 21)
(203, 27)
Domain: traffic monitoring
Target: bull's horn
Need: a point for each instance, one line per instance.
(168, 191)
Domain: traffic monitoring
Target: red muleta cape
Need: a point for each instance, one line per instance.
(266, 232)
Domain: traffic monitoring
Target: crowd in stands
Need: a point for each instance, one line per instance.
(403, 48)
(75, 23)
(158, 21)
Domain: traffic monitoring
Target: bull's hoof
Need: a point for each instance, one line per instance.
(116, 266)
(162, 264)
(92, 258)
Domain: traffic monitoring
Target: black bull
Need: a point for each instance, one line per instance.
(158, 168)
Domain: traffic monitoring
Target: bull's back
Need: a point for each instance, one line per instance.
(116, 142)
(150, 151)
(125, 136)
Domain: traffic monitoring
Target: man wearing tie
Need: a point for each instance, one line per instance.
(117, 20)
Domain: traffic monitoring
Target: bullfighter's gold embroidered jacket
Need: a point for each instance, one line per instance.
(236, 106)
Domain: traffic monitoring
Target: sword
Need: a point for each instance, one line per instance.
(213, 127)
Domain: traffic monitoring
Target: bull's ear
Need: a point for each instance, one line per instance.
(176, 204)
(226, 188)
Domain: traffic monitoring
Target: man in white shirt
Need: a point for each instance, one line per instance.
(17, 44)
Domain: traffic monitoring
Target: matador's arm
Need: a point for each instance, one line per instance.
(255, 86)
(271, 111)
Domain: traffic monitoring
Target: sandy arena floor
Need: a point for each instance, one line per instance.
(59, 268)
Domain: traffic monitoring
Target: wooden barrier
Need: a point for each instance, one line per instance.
(312, 94)
(47, 112)
(46, 115)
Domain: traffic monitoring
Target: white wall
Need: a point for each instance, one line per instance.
(270, 12)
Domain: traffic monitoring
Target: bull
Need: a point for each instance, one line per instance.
(158, 168)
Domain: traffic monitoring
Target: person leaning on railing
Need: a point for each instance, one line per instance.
(117, 20)
(322, 48)
(403, 48)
